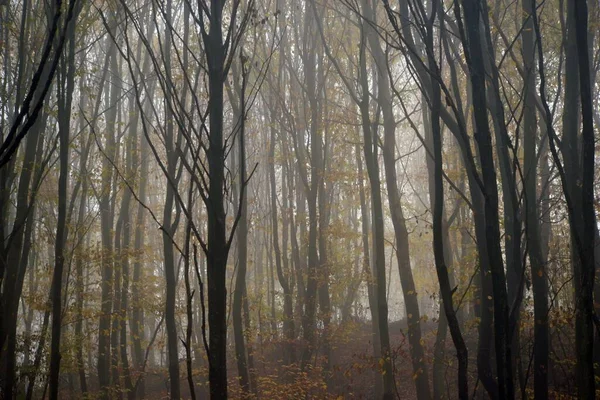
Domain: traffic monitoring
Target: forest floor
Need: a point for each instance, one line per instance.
(353, 372)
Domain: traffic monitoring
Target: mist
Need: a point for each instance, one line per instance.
(317, 199)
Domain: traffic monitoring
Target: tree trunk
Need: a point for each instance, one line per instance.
(65, 99)
(439, 247)
(312, 187)
(536, 257)
(472, 10)
(170, 225)
(242, 241)
(217, 248)
(401, 233)
(284, 281)
(439, 365)
(136, 325)
(379, 306)
(584, 323)
(106, 222)
(367, 263)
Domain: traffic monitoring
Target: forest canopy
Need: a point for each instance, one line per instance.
(316, 199)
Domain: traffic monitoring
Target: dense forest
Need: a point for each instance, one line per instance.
(285, 199)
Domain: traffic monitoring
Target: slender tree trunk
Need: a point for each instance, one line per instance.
(137, 321)
(65, 97)
(81, 240)
(189, 295)
(79, 297)
(217, 242)
(511, 215)
(536, 257)
(117, 283)
(170, 227)
(438, 216)
(125, 255)
(584, 325)
(242, 243)
(472, 10)
(106, 222)
(439, 364)
(17, 254)
(312, 279)
(39, 352)
(284, 281)
(367, 267)
(136, 325)
(409, 291)
(379, 314)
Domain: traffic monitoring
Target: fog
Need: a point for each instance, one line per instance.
(317, 199)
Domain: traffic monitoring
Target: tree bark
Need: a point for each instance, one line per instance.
(439, 247)
(401, 233)
(65, 99)
(584, 323)
(242, 241)
(537, 260)
(217, 248)
(379, 313)
(106, 222)
(472, 10)
(170, 224)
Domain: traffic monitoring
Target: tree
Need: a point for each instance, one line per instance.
(65, 97)
(135, 133)
(536, 257)
(473, 46)
(401, 233)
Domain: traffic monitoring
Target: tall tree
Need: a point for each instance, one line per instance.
(537, 260)
(170, 221)
(112, 96)
(65, 91)
(439, 247)
(473, 46)
(385, 101)
(585, 281)
(242, 232)
(219, 52)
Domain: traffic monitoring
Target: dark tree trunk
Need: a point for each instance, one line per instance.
(511, 217)
(117, 291)
(367, 263)
(170, 225)
(217, 247)
(80, 255)
(106, 222)
(312, 189)
(124, 256)
(242, 239)
(377, 293)
(472, 10)
(584, 325)
(409, 291)
(438, 216)
(439, 364)
(65, 99)
(282, 276)
(136, 325)
(537, 259)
